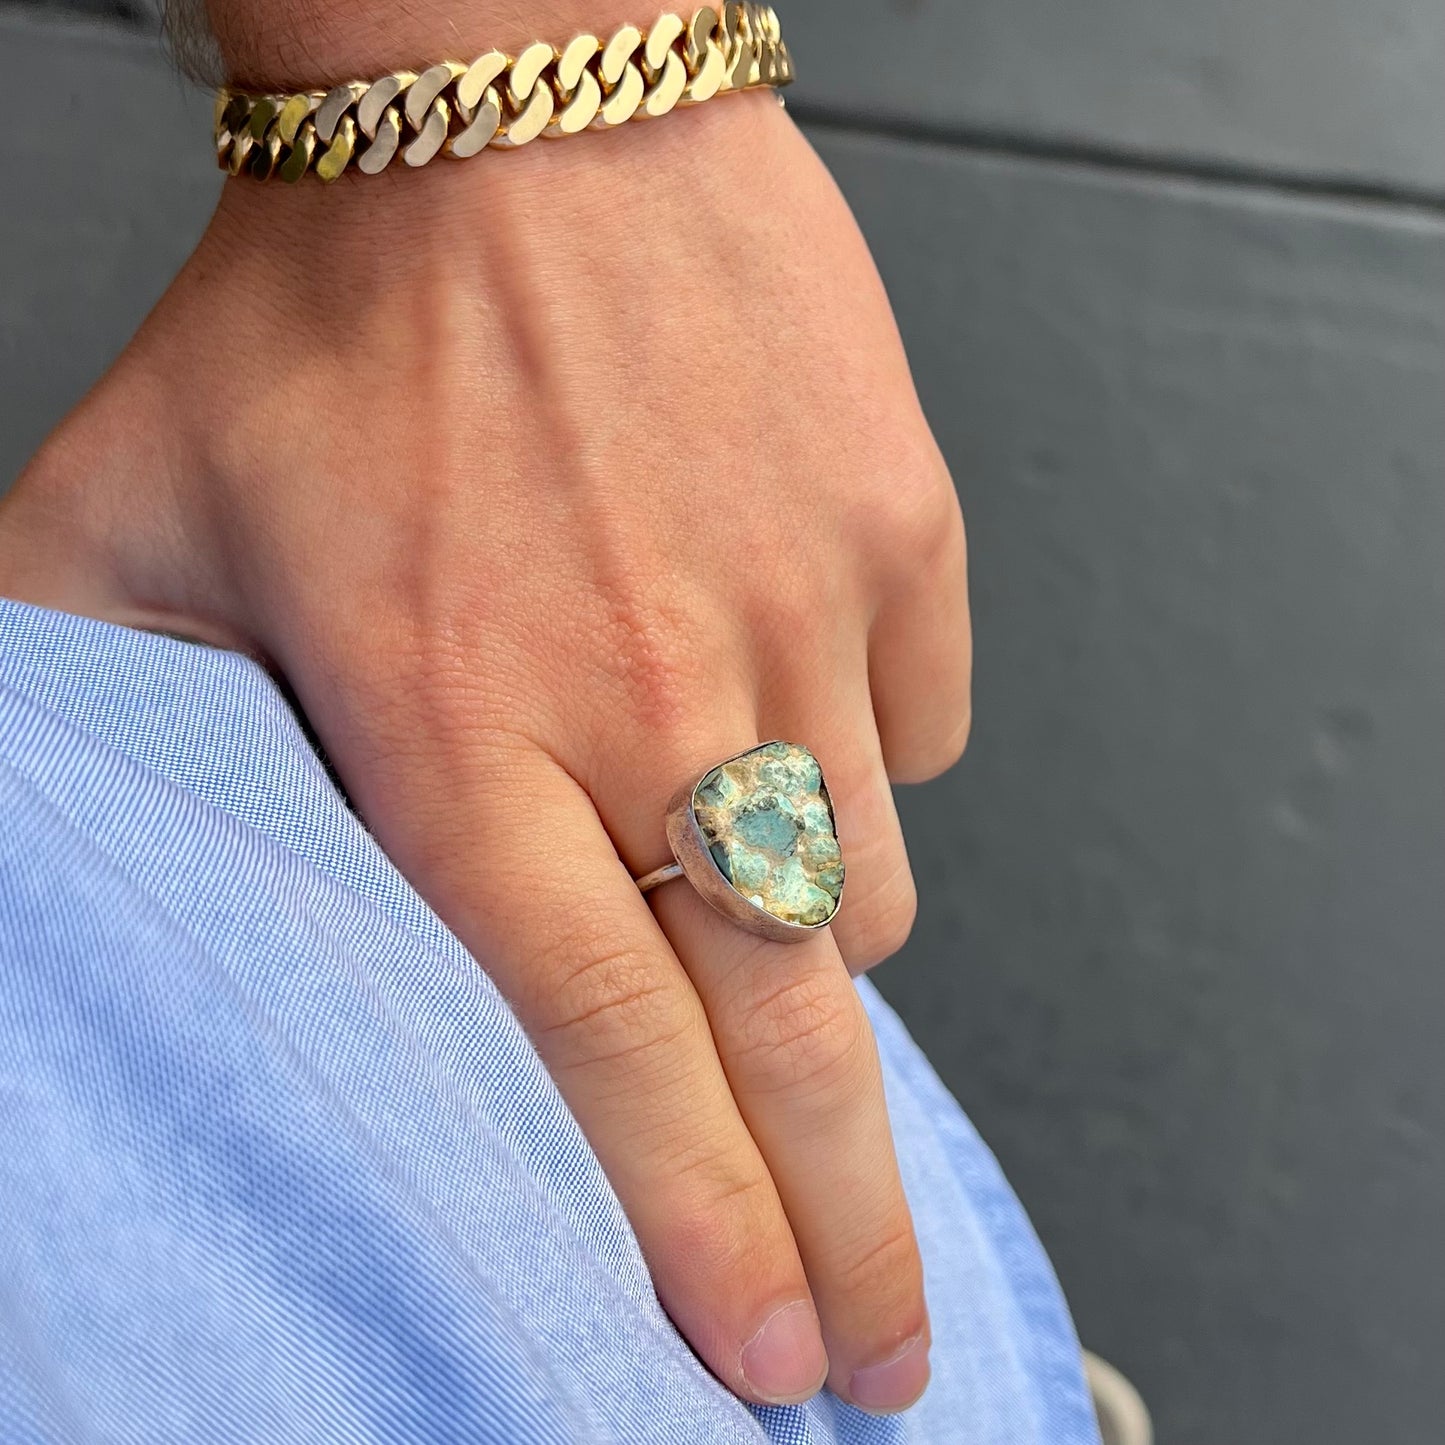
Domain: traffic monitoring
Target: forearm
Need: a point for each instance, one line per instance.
(303, 44)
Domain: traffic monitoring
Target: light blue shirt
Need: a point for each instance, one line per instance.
(278, 1163)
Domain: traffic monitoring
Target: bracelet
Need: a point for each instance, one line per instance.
(501, 100)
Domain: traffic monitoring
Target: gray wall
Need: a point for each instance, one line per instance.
(1172, 276)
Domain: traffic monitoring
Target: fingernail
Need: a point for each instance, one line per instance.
(895, 1384)
(784, 1363)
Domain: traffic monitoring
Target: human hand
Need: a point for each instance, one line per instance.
(547, 481)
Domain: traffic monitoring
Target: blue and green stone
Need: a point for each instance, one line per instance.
(768, 822)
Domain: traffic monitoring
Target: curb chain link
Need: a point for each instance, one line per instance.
(500, 100)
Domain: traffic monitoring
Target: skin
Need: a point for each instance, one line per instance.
(545, 481)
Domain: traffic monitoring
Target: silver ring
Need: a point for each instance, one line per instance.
(756, 836)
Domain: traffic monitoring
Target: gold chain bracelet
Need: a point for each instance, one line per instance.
(502, 100)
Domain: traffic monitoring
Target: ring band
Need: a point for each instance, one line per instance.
(756, 836)
(659, 876)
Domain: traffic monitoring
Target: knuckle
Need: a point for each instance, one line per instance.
(654, 649)
(883, 924)
(922, 523)
(785, 614)
(886, 1267)
(952, 745)
(659, 684)
(725, 1221)
(938, 753)
(615, 1008)
(432, 695)
(809, 1034)
(721, 1183)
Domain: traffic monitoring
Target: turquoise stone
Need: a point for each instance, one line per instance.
(768, 824)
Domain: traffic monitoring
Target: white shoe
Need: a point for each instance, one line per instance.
(1123, 1418)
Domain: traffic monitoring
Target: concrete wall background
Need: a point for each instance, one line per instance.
(1172, 277)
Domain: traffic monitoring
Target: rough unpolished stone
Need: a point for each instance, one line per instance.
(768, 822)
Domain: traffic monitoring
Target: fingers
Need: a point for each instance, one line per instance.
(799, 1054)
(730, 1087)
(620, 1027)
(920, 658)
(509, 850)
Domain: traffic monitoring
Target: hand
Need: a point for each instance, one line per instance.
(547, 481)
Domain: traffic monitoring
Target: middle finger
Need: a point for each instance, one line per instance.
(800, 1058)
